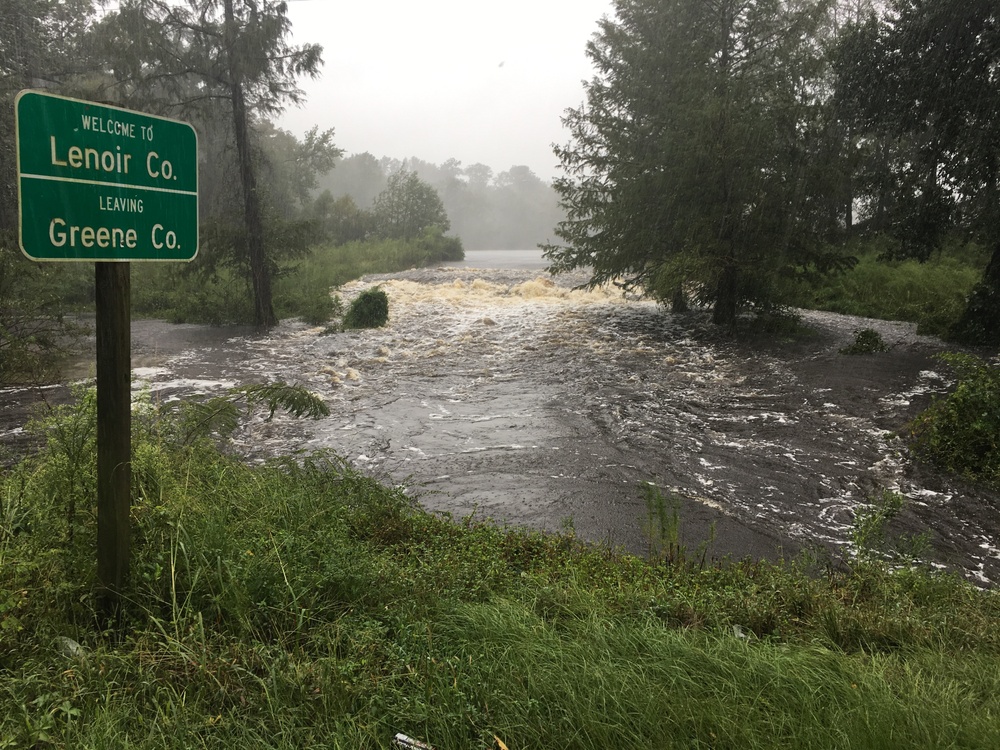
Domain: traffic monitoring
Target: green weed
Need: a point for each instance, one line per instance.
(663, 529)
(960, 433)
(870, 534)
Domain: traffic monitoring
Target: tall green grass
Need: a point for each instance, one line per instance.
(932, 294)
(301, 604)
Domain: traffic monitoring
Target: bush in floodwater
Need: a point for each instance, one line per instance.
(871, 537)
(961, 432)
(370, 309)
(866, 341)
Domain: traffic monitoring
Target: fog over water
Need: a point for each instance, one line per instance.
(524, 260)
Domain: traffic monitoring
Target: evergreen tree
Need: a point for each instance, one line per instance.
(186, 58)
(688, 164)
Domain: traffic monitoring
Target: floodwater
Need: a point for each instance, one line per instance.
(501, 392)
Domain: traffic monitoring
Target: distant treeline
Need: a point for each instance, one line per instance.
(511, 210)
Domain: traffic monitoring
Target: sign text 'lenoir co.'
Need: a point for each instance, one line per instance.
(99, 183)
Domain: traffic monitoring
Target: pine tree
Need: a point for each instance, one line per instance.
(688, 164)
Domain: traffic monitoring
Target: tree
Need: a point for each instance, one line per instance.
(186, 57)
(357, 175)
(688, 160)
(407, 207)
(926, 86)
(290, 167)
(340, 220)
(43, 44)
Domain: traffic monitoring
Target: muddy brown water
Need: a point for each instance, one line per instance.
(505, 394)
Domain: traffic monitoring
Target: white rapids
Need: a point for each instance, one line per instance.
(510, 395)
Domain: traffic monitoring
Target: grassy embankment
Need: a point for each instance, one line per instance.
(303, 605)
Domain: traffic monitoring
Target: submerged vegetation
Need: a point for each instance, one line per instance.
(370, 309)
(300, 603)
(866, 341)
(960, 433)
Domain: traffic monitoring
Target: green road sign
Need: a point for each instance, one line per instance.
(99, 183)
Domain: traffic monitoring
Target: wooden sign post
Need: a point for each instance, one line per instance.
(106, 185)
(114, 429)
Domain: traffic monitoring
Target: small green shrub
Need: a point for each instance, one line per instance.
(866, 341)
(961, 432)
(370, 309)
(872, 539)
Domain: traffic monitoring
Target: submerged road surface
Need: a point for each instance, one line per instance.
(505, 394)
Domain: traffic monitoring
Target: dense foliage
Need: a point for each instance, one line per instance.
(695, 161)
(407, 207)
(931, 293)
(729, 148)
(370, 309)
(960, 433)
(918, 87)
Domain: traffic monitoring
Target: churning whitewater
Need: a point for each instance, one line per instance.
(510, 395)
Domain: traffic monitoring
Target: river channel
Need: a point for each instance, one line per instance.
(504, 393)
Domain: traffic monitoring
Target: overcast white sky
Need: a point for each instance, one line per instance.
(437, 79)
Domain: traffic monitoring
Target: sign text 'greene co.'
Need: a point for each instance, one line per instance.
(99, 183)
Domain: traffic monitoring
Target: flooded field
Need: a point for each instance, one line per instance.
(505, 394)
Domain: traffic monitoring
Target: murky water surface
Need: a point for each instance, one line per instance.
(507, 394)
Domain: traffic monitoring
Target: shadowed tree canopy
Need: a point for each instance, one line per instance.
(43, 44)
(186, 58)
(924, 82)
(688, 165)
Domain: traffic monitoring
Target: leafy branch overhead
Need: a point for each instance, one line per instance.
(296, 400)
(178, 57)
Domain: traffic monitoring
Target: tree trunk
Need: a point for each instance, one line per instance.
(260, 274)
(679, 302)
(726, 301)
(980, 322)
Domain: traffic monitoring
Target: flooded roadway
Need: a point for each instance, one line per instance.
(505, 394)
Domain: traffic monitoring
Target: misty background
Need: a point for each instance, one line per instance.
(511, 210)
